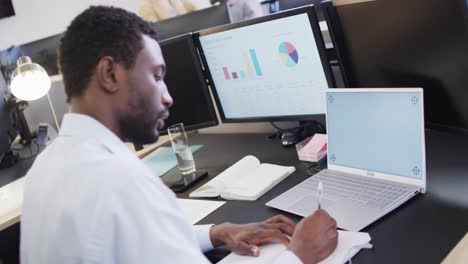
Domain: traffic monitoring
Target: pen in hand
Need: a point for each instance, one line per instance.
(319, 195)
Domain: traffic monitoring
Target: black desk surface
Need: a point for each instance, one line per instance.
(424, 230)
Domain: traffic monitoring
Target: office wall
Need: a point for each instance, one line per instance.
(38, 19)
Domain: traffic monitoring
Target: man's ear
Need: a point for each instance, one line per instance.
(105, 72)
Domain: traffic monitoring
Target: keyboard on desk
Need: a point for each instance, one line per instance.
(370, 192)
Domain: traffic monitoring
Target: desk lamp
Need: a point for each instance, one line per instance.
(30, 81)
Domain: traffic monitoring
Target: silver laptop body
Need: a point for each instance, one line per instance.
(376, 157)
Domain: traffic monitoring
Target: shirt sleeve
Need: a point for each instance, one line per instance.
(144, 227)
(202, 232)
(288, 257)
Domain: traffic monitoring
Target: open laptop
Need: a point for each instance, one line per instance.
(376, 157)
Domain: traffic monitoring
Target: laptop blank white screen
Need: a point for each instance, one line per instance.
(376, 131)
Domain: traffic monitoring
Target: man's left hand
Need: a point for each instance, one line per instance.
(245, 238)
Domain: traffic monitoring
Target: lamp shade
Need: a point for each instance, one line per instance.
(29, 80)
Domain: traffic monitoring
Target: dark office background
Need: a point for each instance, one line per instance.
(6, 8)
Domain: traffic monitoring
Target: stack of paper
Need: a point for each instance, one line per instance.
(196, 210)
(312, 149)
(348, 245)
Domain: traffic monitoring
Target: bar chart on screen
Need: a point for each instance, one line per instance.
(250, 62)
(265, 63)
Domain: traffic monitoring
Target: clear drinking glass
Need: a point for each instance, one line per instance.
(180, 145)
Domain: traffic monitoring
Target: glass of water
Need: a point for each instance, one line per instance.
(181, 148)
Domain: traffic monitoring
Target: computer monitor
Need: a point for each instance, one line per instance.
(187, 85)
(209, 17)
(8, 59)
(289, 4)
(400, 43)
(271, 68)
(44, 53)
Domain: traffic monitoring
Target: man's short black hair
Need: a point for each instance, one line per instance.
(98, 32)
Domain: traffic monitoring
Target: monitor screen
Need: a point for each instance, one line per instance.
(42, 52)
(268, 69)
(417, 43)
(6, 8)
(377, 131)
(187, 85)
(202, 19)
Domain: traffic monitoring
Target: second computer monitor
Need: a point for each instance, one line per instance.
(268, 69)
(186, 84)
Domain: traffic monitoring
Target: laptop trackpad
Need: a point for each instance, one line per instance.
(307, 205)
(353, 217)
(348, 216)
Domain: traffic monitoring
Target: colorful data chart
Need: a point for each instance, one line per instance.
(288, 54)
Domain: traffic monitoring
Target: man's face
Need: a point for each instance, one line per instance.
(148, 97)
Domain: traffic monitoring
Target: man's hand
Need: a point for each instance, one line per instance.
(244, 239)
(315, 237)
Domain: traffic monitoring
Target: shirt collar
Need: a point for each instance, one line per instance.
(79, 125)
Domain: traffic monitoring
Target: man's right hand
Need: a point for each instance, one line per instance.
(314, 238)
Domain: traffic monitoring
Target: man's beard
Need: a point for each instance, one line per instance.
(137, 130)
(139, 126)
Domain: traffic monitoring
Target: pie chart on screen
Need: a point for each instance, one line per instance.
(288, 54)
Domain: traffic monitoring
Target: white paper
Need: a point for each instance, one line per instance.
(196, 210)
(270, 252)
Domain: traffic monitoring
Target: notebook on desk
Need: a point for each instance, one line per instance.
(376, 157)
(246, 180)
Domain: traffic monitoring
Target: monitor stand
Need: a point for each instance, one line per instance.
(305, 129)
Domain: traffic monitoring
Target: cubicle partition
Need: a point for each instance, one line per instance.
(401, 43)
(194, 21)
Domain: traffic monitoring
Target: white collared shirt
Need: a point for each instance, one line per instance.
(89, 199)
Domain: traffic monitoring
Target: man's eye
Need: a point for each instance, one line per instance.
(158, 78)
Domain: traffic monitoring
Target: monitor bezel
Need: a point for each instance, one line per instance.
(310, 11)
(202, 82)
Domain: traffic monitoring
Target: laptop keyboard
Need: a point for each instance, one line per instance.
(369, 192)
